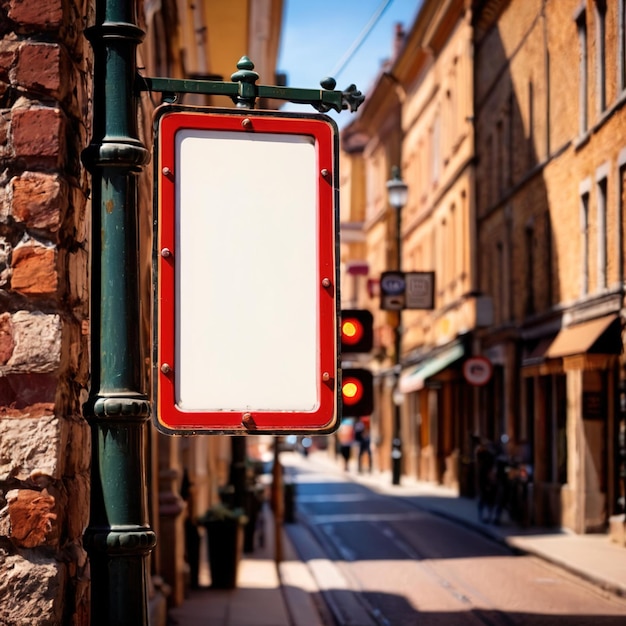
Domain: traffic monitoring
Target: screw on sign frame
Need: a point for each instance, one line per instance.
(247, 279)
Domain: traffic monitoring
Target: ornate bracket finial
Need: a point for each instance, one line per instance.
(351, 98)
(246, 77)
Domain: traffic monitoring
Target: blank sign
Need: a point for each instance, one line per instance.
(247, 314)
(247, 287)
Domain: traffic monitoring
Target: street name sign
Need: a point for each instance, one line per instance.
(247, 290)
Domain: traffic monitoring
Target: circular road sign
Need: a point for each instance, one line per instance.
(393, 283)
(477, 370)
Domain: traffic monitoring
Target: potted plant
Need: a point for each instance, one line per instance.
(224, 527)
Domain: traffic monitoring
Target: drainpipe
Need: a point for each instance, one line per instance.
(118, 538)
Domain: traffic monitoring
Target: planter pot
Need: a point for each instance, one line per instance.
(225, 546)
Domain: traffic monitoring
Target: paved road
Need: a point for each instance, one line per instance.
(380, 561)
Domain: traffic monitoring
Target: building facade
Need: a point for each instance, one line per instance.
(506, 118)
(418, 117)
(549, 148)
(436, 74)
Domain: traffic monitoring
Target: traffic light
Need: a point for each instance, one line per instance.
(357, 330)
(357, 391)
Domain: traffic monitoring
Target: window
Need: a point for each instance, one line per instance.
(532, 152)
(500, 151)
(581, 25)
(601, 55)
(489, 173)
(530, 268)
(500, 291)
(453, 254)
(444, 257)
(621, 43)
(436, 148)
(510, 138)
(584, 232)
(602, 237)
(548, 252)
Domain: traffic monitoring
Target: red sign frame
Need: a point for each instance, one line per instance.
(169, 417)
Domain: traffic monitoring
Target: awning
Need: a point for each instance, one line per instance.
(536, 354)
(599, 336)
(415, 378)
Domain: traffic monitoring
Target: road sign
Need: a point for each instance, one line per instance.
(420, 290)
(392, 288)
(477, 370)
(407, 290)
(247, 280)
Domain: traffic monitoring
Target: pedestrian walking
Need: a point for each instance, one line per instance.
(362, 437)
(345, 439)
(486, 478)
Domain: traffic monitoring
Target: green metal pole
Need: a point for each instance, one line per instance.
(118, 538)
(396, 443)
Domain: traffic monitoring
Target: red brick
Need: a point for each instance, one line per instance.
(6, 338)
(4, 127)
(32, 517)
(46, 15)
(38, 200)
(39, 133)
(42, 67)
(21, 391)
(8, 55)
(34, 269)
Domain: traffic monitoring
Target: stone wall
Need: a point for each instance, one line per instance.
(45, 70)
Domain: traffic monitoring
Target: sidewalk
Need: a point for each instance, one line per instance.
(266, 595)
(592, 557)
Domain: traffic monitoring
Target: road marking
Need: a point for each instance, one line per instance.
(340, 518)
(337, 497)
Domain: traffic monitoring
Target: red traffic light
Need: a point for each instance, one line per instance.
(357, 330)
(357, 392)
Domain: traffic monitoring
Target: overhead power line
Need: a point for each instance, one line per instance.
(358, 42)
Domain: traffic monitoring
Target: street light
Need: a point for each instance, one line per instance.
(397, 194)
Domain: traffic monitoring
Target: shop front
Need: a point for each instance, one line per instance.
(433, 389)
(571, 395)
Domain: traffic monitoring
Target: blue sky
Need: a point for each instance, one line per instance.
(317, 34)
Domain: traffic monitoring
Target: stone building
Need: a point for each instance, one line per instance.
(418, 117)
(370, 147)
(549, 196)
(46, 91)
(507, 120)
(435, 72)
(45, 76)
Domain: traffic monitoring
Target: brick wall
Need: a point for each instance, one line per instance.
(44, 442)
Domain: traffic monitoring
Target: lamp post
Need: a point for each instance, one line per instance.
(397, 193)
